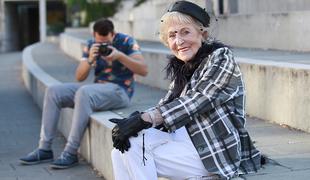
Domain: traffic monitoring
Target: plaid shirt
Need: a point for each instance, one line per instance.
(211, 108)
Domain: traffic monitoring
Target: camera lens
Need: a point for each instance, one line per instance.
(104, 50)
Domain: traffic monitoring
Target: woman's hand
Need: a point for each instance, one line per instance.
(126, 128)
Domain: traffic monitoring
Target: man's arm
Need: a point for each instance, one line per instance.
(134, 62)
(89, 58)
(82, 70)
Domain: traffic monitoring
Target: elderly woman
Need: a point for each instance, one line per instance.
(198, 129)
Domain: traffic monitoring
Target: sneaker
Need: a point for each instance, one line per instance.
(37, 156)
(66, 160)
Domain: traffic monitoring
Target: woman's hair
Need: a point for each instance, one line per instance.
(172, 18)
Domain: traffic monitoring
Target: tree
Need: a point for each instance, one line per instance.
(83, 12)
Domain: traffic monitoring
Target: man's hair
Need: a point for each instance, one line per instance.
(103, 27)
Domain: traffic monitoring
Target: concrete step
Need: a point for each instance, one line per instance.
(42, 64)
(288, 148)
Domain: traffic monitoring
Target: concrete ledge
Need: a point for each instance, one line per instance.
(35, 79)
(276, 91)
(101, 143)
(73, 49)
(283, 31)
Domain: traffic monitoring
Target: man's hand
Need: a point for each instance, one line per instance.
(134, 62)
(84, 67)
(126, 128)
(114, 55)
(93, 52)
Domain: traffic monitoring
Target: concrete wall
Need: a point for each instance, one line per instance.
(130, 21)
(278, 92)
(8, 34)
(268, 6)
(156, 61)
(72, 49)
(258, 6)
(142, 22)
(11, 31)
(282, 31)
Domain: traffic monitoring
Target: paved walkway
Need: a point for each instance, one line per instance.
(19, 130)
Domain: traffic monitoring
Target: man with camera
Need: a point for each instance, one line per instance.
(115, 57)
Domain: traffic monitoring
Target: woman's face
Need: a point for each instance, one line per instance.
(184, 40)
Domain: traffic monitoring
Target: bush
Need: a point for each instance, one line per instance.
(86, 11)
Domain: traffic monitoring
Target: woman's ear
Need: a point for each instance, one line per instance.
(205, 35)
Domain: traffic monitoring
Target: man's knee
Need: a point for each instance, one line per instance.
(53, 91)
(83, 91)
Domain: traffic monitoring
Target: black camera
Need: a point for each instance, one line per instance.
(104, 50)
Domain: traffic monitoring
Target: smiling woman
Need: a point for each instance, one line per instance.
(197, 130)
(184, 41)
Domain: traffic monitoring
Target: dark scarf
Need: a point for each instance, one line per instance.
(181, 72)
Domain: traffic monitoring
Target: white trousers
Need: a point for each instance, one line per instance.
(170, 155)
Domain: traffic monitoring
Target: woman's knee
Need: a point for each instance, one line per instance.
(115, 155)
(134, 145)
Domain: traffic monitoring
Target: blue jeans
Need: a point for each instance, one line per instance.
(85, 99)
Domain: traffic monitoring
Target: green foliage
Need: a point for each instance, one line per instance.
(81, 3)
(138, 2)
(55, 28)
(98, 10)
(86, 11)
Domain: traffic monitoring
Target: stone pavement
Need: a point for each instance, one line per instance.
(20, 122)
(288, 149)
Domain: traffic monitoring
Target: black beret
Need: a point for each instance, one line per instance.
(192, 10)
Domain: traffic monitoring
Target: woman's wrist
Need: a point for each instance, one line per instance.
(153, 117)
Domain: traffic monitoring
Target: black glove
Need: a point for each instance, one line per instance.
(125, 128)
